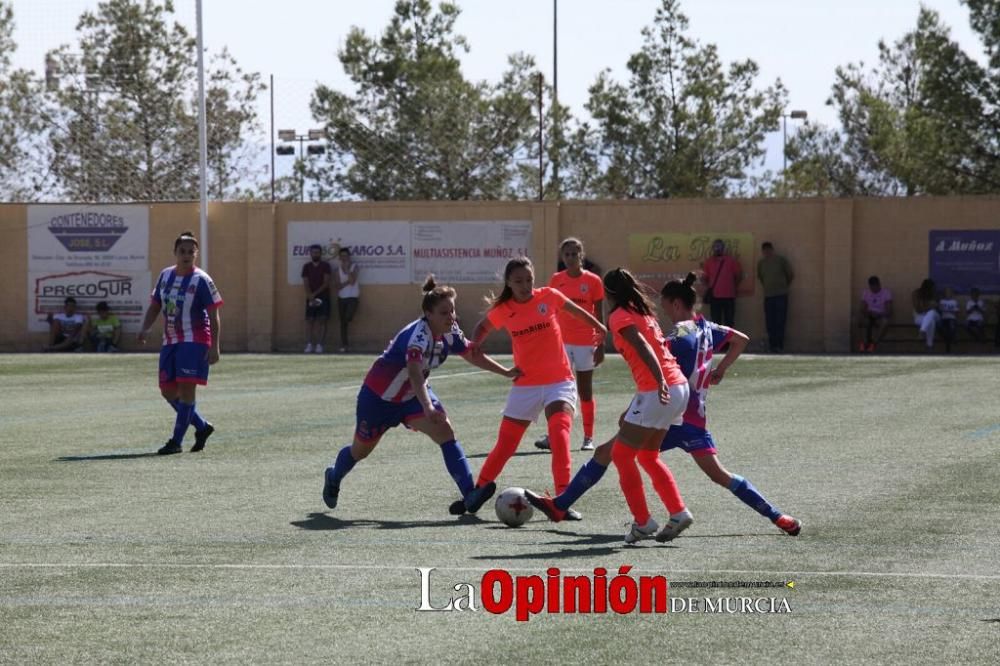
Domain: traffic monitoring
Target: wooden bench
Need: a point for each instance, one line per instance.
(907, 337)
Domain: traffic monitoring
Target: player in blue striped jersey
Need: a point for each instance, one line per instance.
(396, 391)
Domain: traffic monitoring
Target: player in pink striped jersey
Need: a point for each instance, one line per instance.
(396, 391)
(693, 341)
(190, 304)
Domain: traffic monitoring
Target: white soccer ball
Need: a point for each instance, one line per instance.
(512, 507)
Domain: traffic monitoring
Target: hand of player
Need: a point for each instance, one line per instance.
(598, 354)
(212, 355)
(715, 377)
(664, 393)
(141, 337)
(513, 373)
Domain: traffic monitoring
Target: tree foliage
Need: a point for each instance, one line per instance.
(683, 124)
(923, 120)
(415, 128)
(125, 117)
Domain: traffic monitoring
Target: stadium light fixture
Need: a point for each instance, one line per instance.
(798, 114)
(312, 149)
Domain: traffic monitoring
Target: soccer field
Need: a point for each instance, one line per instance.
(111, 555)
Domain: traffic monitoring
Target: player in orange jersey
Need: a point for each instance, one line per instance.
(583, 347)
(661, 396)
(546, 380)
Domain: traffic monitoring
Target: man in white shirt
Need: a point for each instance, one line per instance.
(68, 329)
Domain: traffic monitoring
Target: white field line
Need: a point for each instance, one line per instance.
(378, 567)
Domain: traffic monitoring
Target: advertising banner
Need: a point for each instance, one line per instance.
(656, 258)
(457, 252)
(78, 237)
(964, 259)
(381, 249)
(127, 294)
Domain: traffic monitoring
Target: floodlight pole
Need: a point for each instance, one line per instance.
(202, 146)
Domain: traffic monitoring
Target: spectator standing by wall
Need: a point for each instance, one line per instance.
(722, 276)
(316, 275)
(775, 275)
(348, 294)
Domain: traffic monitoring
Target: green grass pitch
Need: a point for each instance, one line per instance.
(109, 555)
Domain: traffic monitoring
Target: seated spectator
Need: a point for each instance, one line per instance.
(975, 315)
(948, 307)
(106, 330)
(68, 329)
(876, 312)
(925, 310)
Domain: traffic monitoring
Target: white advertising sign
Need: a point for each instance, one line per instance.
(381, 249)
(79, 237)
(467, 251)
(126, 292)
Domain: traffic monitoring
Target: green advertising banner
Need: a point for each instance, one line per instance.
(656, 258)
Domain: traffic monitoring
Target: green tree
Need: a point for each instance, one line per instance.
(415, 127)
(682, 126)
(126, 124)
(22, 177)
(923, 120)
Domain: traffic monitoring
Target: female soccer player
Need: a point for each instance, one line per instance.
(395, 391)
(693, 340)
(584, 349)
(190, 304)
(546, 380)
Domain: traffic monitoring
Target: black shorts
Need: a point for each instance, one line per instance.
(321, 311)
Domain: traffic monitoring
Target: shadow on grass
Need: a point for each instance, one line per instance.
(322, 521)
(108, 456)
(536, 452)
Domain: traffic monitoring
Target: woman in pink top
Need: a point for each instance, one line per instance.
(546, 379)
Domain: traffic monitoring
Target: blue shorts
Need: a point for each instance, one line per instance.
(183, 362)
(696, 441)
(375, 415)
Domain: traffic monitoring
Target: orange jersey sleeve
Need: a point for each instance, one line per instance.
(585, 291)
(649, 329)
(534, 332)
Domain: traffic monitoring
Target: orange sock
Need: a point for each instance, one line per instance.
(507, 440)
(663, 480)
(587, 409)
(560, 424)
(630, 480)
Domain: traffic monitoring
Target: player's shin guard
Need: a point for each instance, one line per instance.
(586, 476)
(196, 420)
(182, 421)
(458, 466)
(587, 409)
(508, 438)
(345, 463)
(663, 480)
(623, 457)
(560, 424)
(750, 496)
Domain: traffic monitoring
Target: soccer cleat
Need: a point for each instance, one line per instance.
(331, 489)
(791, 526)
(588, 444)
(543, 444)
(170, 447)
(678, 523)
(477, 496)
(862, 347)
(309, 349)
(201, 436)
(318, 349)
(573, 514)
(871, 347)
(457, 508)
(639, 532)
(546, 505)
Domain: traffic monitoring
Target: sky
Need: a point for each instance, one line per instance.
(800, 42)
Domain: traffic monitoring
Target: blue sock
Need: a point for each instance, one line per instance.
(182, 421)
(587, 476)
(345, 463)
(196, 420)
(750, 496)
(458, 466)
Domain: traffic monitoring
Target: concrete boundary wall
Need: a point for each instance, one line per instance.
(833, 245)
